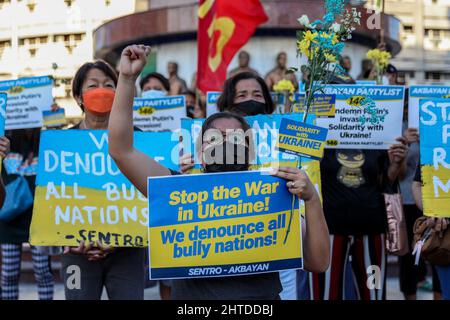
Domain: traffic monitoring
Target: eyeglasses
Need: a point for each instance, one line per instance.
(216, 137)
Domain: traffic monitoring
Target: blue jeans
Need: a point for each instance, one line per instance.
(444, 278)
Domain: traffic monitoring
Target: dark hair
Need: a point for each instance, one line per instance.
(226, 115)
(158, 76)
(80, 75)
(226, 99)
(188, 93)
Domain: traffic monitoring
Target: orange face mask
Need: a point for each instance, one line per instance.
(99, 101)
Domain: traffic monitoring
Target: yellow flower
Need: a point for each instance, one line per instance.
(284, 85)
(309, 36)
(330, 57)
(379, 57)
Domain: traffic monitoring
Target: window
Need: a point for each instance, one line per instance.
(432, 75)
(33, 43)
(4, 45)
(408, 29)
(71, 41)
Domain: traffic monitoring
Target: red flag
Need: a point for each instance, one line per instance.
(224, 26)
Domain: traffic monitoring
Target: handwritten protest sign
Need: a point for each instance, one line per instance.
(423, 92)
(3, 103)
(435, 156)
(357, 125)
(81, 194)
(159, 114)
(211, 102)
(301, 139)
(27, 99)
(224, 224)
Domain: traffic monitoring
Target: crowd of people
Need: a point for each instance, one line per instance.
(344, 235)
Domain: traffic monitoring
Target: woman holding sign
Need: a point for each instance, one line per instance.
(137, 167)
(121, 271)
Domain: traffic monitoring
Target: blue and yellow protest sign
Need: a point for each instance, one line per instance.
(3, 103)
(159, 114)
(27, 99)
(367, 117)
(435, 156)
(54, 118)
(224, 224)
(82, 195)
(416, 93)
(211, 102)
(301, 139)
(323, 105)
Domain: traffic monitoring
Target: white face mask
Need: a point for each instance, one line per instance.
(152, 94)
(385, 80)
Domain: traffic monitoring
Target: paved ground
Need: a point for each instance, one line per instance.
(28, 292)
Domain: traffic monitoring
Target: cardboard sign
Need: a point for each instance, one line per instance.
(423, 92)
(159, 114)
(82, 195)
(27, 99)
(435, 156)
(361, 124)
(301, 139)
(226, 224)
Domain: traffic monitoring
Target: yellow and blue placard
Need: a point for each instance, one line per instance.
(301, 139)
(54, 118)
(323, 105)
(81, 195)
(225, 224)
(435, 156)
(418, 92)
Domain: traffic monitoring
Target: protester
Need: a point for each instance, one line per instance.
(346, 63)
(21, 161)
(154, 85)
(352, 185)
(4, 150)
(120, 270)
(137, 167)
(177, 85)
(246, 94)
(366, 70)
(193, 108)
(243, 65)
(391, 75)
(438, 225)
(280, 72)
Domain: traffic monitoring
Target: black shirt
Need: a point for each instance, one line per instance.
(418, 175)
(352, 193)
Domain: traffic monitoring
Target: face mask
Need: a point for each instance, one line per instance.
(99, 101)
(152, 94)
(249, 108)
(226, 157)
(190, 111)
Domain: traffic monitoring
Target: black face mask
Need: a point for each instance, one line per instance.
(226, 157)
(190, 111)
(249, 108)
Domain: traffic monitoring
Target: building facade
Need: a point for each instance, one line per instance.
(53, 37)
(425, 33)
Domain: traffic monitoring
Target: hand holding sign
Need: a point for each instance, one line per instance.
(4, 147)
(134, 59)
(398, 152)
(298, 184)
